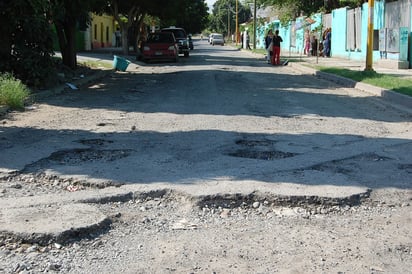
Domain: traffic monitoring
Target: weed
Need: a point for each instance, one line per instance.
(13, 92)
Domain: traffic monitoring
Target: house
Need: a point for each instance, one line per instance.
(392, 24)
(100, 33)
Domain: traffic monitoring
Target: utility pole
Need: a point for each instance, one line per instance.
(369, 47)
(228, 22)
(254, 25)
(237, 23)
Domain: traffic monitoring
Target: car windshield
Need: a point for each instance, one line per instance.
(179, 33)
(160, 38)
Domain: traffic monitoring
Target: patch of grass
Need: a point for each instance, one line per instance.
(97, 64)
(395, 83)
(13, 93)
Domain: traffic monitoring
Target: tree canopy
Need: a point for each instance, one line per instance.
(223, 18)
(290, 9)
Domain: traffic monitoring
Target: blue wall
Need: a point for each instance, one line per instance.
(338, 44)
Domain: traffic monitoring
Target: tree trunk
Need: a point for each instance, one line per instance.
(66, 33)
(125, 40)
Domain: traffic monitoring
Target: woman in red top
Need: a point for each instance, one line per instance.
(276, 48)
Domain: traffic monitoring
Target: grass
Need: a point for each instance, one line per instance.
(13, 93)
(395, 83)
(97, 64)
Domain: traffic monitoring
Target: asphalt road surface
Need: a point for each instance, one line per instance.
(323, 172)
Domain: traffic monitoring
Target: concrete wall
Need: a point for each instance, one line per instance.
(338, 44)
(102, 30)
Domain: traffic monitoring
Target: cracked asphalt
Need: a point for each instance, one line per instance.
(221, 135)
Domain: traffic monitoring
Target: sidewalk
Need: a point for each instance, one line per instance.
(357, 65)
(309, 65)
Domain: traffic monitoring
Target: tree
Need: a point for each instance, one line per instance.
(67, 16)
(290, 9)
(26, 45)
(192, 15)
(131, 15)
(222, 9)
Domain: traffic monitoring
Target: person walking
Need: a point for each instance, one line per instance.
(276, 48)
(268, 45)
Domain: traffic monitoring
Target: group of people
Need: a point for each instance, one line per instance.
(272, 45)
(311, 44)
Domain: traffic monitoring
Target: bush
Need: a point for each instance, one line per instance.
(13, 92)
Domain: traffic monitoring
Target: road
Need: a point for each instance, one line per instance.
(322, 173)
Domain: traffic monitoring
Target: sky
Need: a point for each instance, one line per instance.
(210, 4)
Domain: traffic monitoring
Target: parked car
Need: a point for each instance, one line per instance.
(217, 39)
(181, 38)
(160, 46)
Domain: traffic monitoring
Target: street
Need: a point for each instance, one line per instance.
(236, 166)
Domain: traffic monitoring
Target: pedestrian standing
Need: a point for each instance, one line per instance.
(276, 48)
(247, 40)
(306, 49)
(118, 36)
(328, 38)
(314, 45)
(268, 45)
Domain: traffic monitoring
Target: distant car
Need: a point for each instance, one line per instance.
(217, 39)
(181, 38)
(211, 37)
(160, 46)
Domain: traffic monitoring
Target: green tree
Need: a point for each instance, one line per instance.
(68, 16)
(190, 14)
(223, 16)
(26, 45)
(290, 9)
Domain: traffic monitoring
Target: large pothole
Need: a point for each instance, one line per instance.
(78, 156)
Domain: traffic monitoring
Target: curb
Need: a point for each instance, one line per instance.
(389, 95)
(61, 88)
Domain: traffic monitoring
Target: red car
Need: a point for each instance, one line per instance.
(160, 46)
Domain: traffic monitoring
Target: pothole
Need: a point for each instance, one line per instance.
(39, 183)
(342, 165)
(78, 156)
(263, 149)
(261, 155)
(93, 142)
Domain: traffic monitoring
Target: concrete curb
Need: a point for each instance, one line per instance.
(41, 95)
(80, 82)
(388, 95)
